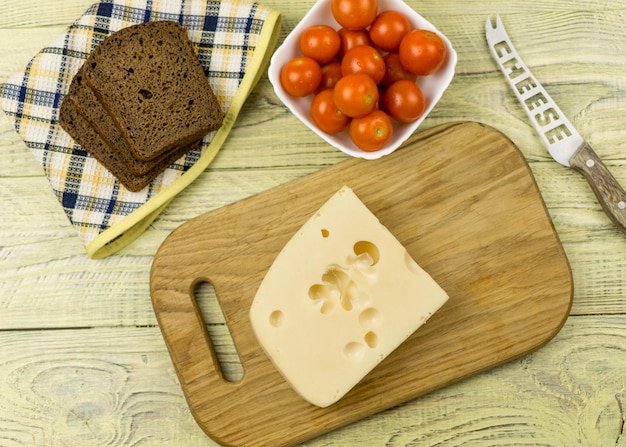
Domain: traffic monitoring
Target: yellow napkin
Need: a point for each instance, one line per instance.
(233, 39)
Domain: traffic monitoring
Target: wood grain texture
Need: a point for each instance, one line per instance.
(92, 387)
(472, 217)
(56, 304)
(607, 189)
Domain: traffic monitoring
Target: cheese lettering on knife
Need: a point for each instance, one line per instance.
(340, 297)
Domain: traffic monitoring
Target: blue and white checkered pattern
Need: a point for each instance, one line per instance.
(229, 38)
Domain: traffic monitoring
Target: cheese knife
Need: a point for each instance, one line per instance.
(558, 134)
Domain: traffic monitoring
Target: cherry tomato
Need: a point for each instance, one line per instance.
(301, 76)
(354, 14)
(422, 52)
(331, 72)
(364, 59)
(355, 94)
(320, 42)
(404, 101)
(351, 39)
(372, 131)
(326, 115)
(388, 30)
(379, 103)
(394, 71)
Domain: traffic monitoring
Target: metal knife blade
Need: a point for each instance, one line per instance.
(558, 134)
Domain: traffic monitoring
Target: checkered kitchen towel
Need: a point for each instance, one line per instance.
(233, 40)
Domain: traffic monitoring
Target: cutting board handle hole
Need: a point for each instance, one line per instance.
(222, 341)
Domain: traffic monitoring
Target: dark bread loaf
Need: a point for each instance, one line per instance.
(150, 81)
(84, 134)
(171, 109)
(86, 103)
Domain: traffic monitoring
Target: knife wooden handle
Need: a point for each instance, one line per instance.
(607, 189)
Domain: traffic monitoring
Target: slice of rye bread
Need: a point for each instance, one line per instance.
(85, 135)
(151, 83)
(86, 103)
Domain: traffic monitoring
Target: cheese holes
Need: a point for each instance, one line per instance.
(371, 339)
(323, 296)
(339, 285)
(354, 351)
(277, 318)
(411, 264)
(336, 288)
(370, 317)
(339, 290)
(367, 249)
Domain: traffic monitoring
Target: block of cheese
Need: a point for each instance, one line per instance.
(340, 297)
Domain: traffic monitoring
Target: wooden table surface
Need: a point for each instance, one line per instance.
(83, 362)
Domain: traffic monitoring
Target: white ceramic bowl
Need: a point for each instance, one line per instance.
(433, 85)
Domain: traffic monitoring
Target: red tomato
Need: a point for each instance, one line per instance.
(404, 101)
(379, 103)
(320, 42)
(372, 131)
(355, 94)
(325, 113)
(354, 14)
(331, 72)
(388, 30)
(364, 59)
(351, 39)
(301, 76)
(394, 71)
(422, 52)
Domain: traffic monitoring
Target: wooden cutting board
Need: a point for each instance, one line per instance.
(463, 201)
